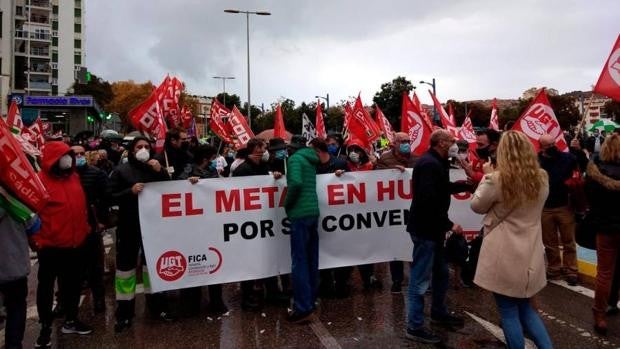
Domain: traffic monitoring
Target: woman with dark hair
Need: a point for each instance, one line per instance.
(125, 184)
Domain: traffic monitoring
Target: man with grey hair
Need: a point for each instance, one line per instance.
(399, 157)
(428, 226)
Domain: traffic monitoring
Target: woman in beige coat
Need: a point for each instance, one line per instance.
(512, 261)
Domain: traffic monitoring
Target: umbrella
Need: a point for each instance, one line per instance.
(604, 125)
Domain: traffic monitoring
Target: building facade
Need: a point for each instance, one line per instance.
(42, 46)
(592, 106)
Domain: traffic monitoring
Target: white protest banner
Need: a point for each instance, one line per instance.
(232, 229)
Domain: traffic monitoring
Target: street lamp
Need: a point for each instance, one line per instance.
(326, 98)
(247, 21)
(435, 116)
(224, 78)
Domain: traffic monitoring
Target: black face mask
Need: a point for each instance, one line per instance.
(483, 153)
(185, 145)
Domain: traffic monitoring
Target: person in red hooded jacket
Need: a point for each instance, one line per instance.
(64, 227)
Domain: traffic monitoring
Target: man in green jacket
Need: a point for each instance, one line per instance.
(302, 208)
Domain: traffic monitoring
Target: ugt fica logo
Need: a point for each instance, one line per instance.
(171, 266)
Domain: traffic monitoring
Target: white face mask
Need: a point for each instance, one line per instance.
(453, 151)
(354, 157)
(143, 155)
(265, 156)
(65, 162)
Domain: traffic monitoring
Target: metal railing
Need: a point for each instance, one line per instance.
(40, 68)
(36, 51)
(40, 85)
(40, 3)
(39, 19)
(41, 36)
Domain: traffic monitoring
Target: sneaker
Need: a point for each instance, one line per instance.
(572, 280)
(75, 327)
(422, 335)
(448, 320)
(300, 318)
(122, 325)
(396, 288)
(45, 338)
(612, 310)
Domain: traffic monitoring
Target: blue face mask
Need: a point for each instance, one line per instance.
(281, 154)
(405, 148)
(213, 165)
(80, 161)
(332, 149)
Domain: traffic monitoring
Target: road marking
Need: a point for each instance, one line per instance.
(325, 337)
(579, 289)
(496, 331)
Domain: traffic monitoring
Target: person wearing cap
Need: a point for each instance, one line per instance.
(399, 157)
(278, 154)
(59, 244)
(125, 184)
(428, 226)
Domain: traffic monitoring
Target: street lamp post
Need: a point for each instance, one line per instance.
(326, 98)
(247, 21)
(224, 78)
(435, 116)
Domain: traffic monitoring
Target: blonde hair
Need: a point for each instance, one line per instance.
(92, 157)
(518, 169)
(610, 150)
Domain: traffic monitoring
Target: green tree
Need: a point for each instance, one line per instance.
(231, 100)
(612, 109)
(127, 95)
(564, 107)
(100, 89)
(390, 98)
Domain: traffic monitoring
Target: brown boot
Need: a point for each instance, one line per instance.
(600, 324)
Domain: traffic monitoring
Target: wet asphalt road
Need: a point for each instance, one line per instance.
(368, 319)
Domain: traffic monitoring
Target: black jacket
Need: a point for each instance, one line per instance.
(603, 191)
(559, 168)
(179, 159)
(332, 165)
(94, 182)
(119, 191)
(249, 168)
(432, 190)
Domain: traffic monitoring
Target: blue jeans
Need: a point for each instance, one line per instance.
(428, 258)
(517, 315)
(305, 262)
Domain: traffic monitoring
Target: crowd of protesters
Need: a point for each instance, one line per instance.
(530, 200)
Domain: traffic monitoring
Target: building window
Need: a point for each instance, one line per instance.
(54, 25)
(77, 59)
(78, 12)
(1, 24)
(55, 57)
(54, 90)
(78, 3)
(55, 9)
(77, 28)
(77, 43)
(54, 41)
(55, 73)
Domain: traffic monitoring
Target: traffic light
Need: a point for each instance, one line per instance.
(90, 119)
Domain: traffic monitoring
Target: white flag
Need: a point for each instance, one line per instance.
(308, 130)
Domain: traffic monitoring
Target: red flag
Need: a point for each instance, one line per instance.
(240, 129)
(608, 83)
(46, 127)
(425, 116)
(17, 174)
(36, 133)
(412, 123)
(348, 112)
(451, 114)
(494, 122)
(384, 124)
(361, 125)
(14, 119)
(216, 123)
(445, 118)
(539, 119)
(278, 124)
(147, 117)
(168, 94)
(466, 132)
(319, 122)
(186, 117)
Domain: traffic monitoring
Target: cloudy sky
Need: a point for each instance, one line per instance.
(476, 49)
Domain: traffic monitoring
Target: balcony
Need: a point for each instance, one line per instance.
(19, 12)
(39, 85)
(41, 36)
(21, 34)
(40, 52)
(40, 3)
(40, 68)
(39, 19)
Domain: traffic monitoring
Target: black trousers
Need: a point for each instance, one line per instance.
(65, 265)
(397, 272)
(95, 265)
(14, 293)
